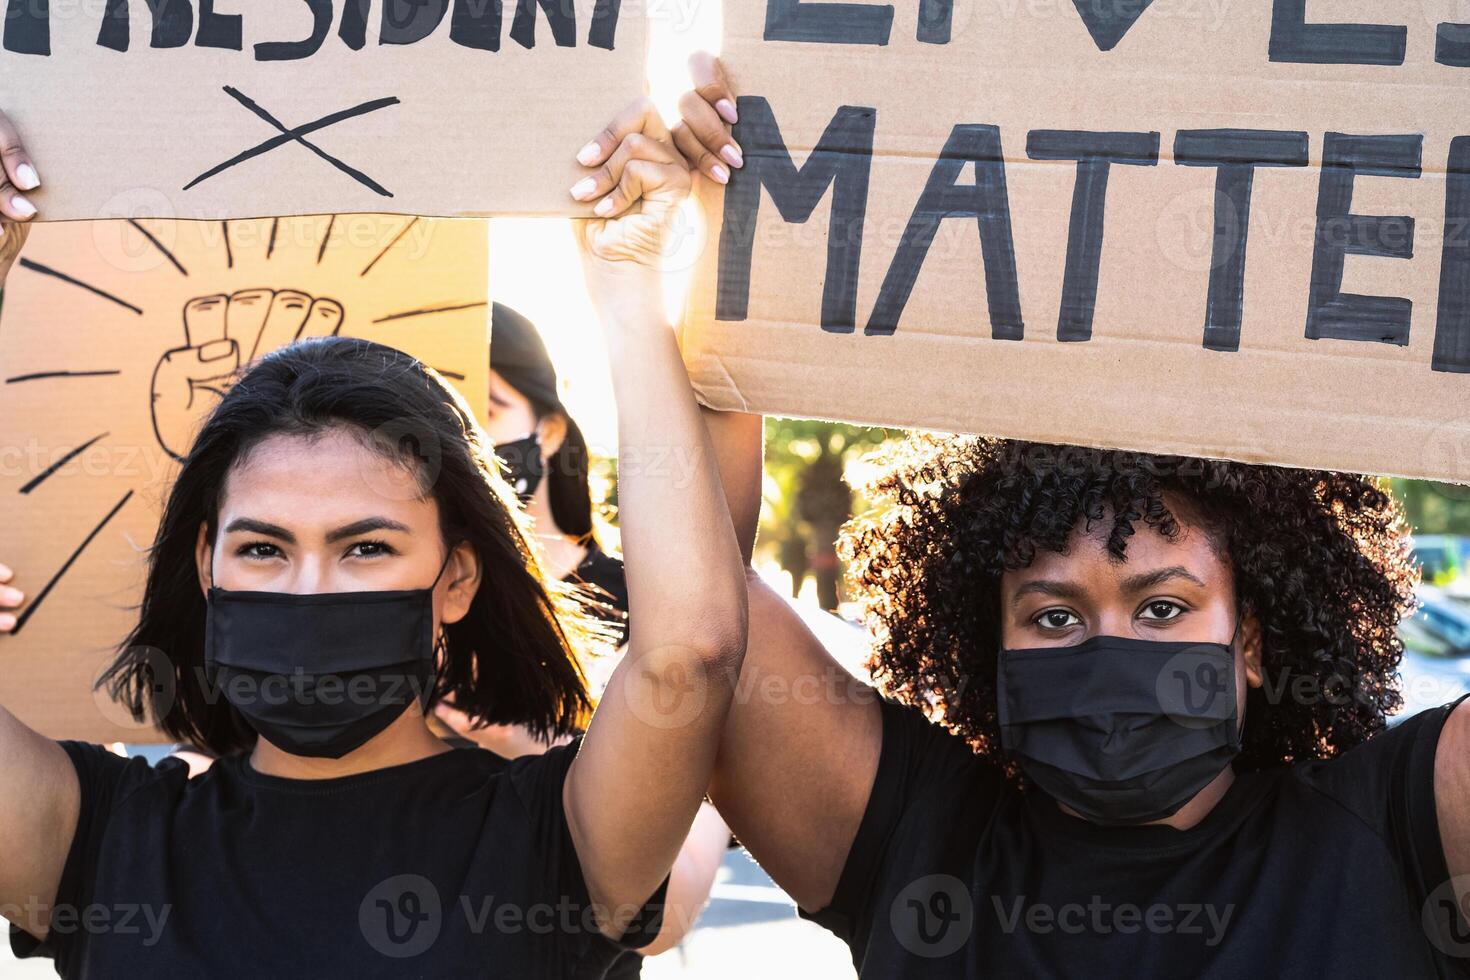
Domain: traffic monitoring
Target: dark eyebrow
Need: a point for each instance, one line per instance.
(252, 526)
(364, 526)
(1147, 580)
(1047, 587)
(1137, 583)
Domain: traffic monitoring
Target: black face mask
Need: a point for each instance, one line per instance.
(321, 675)
(1123, 731)
(524, 467)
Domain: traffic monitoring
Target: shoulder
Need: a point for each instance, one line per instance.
(107, 778)
(1362, 777)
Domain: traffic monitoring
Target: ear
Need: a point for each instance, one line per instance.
(1250, 642)
(204, 558)
(552, 431)
(463, 574)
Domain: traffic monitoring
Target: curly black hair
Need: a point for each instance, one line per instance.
(1321, 559)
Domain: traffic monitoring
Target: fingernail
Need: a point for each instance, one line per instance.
(733, 156)
(13, 596)
(589, 154)
(26, 177)
(5, 573)
(727, 111)
(720, 174)
(604, 207)
(22, 207)
(7, 623)
(584, 189)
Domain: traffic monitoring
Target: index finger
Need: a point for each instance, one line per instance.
(6, 573)
(641, 117)
(708, 75)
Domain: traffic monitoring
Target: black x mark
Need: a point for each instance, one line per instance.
(298, 135)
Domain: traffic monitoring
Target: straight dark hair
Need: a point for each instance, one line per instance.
(511, 660)
(568, 484)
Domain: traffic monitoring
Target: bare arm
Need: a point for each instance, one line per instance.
(800, 750)
(644, 766)
(1452, 798)
(39, 803)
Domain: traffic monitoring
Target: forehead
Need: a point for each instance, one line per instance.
(1086, 557)
(502, 392)
(313, 478)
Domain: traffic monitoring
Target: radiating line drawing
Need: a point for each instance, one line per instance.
(430, 311)
(34, 604)
(44, 375)
(46, 270)
(50, 471)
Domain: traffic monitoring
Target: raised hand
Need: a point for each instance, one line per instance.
(708, 111)
(17, 175)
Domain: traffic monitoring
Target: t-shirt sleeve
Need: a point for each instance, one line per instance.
(539, 782)
(1388, 783)
(925, 774)
(105, 779)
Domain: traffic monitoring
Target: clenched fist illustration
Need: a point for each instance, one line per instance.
(222, 333)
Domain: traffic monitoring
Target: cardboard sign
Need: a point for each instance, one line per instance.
(244, 108)
(1224, 229)
(116, 338)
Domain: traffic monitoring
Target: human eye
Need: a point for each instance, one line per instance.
(1056, 619)
(370, 549)
(1161, 610)
(258, 551)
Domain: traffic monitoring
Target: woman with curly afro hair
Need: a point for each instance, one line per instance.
(1134, 723)
(1134, 719)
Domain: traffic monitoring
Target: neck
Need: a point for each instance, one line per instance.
(563, 553)
(406, 740)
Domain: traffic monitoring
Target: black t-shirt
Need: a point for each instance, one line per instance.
(608, 584)
(458, 865)
(1324, 869)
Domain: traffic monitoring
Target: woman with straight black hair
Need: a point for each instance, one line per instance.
(337, 555)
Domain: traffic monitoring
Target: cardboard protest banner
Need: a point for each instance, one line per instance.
(1227, 229)
(116, 338)
(184, 109)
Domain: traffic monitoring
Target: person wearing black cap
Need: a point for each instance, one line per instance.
(546, 460)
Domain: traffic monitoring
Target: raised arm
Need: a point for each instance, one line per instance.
(39, 803)
(801, 747)
(644, 766)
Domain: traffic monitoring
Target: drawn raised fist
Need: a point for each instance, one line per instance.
(222, 333)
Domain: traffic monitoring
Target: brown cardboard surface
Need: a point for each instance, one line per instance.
(434, 127)
(90, 408)
(1145, 379)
